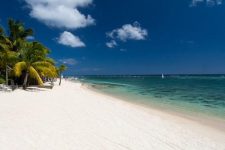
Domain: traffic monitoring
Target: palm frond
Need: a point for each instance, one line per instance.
(27, 32)
(5, 42)
(1, 31)
(44, 64)
(18, 31)
(45, 68)
(34, 74)
(19, 67)
(50, 60)
(12, 57)
(62, 68)
(46, 72)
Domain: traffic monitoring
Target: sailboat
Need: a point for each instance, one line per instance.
(163, 76)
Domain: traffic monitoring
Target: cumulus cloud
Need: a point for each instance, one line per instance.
(68, 39)
(206, 2)
(111, 44)
(68, 61)
(30, 38)
(126, 32)
(129, 32)
(60, 13)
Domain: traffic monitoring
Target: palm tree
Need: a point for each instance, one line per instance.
(10, 45)
(61, 69)
(34, 63)
(7, 56)
(6, 48)
(28, 59)
(18, 33)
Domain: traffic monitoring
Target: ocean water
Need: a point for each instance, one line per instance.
(195, 95)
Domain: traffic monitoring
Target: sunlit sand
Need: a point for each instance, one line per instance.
(72, 117)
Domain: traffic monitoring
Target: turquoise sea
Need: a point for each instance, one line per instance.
(192, 94)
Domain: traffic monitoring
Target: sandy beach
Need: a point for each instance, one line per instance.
(72, 117)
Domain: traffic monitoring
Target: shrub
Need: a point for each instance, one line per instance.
(2, 80)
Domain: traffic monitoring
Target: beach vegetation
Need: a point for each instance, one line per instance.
(23, 61)
(2, 80)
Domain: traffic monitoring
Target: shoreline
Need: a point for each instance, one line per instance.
(74, 117)
(209, 121)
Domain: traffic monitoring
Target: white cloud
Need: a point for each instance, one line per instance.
(68, 61)
(196, 2)
(30, 38)
(129, 32)
(111, 44)
(68, 39)
(206, 2)
(60, 13)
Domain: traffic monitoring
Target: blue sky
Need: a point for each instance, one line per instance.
(129, 36)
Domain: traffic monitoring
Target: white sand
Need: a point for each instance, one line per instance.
(71, 117)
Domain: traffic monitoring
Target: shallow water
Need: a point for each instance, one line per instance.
(204, 95)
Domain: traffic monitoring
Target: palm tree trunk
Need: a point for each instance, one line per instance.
(60, 78)
(6, 75)
(25, 80)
